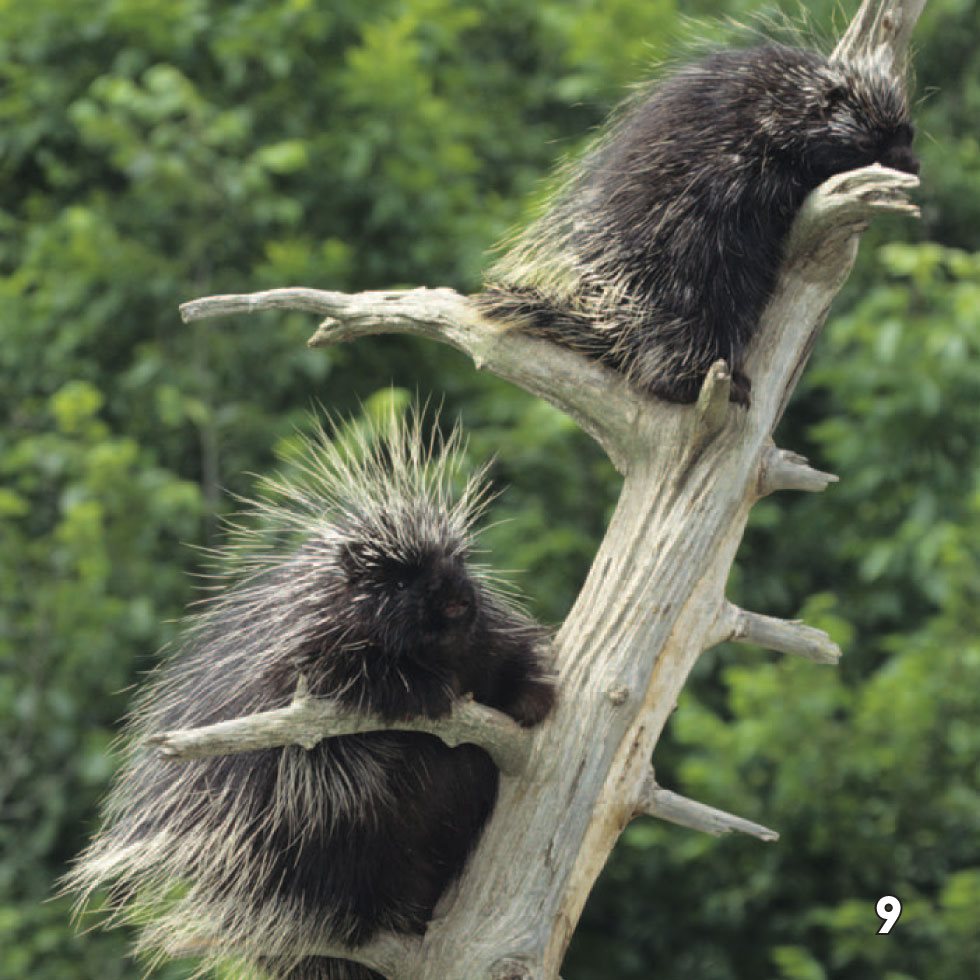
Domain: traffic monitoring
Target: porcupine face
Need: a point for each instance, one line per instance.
(424, 597)
(427, 594)
(861, 118)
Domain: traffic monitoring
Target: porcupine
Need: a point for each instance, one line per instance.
(378, 606)
(662, 248)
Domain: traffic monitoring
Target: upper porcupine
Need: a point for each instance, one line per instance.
(270, 854)
(659, 253)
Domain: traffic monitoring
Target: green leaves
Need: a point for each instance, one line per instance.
(157, 150)
(87, 570)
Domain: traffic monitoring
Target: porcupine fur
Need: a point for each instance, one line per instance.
(266, 854)
(662, 248)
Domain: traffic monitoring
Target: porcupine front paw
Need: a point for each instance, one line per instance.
(533, 703)
(683, 392)
(428, 697)
(741, 388)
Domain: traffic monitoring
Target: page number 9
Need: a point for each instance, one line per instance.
(889, 908)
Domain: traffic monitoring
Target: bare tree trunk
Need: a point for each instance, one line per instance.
(654, 598)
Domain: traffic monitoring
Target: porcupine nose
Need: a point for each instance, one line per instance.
(458, 603)
(453, 595)
(900, 158)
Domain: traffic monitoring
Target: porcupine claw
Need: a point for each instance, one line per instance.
(741, 388)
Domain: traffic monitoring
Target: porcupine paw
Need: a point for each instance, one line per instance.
(741, 387)
(426, 697)
(437, 703)
(679, 392)
(533, 704)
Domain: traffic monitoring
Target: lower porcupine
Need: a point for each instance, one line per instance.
(359, 579)
(661, 250)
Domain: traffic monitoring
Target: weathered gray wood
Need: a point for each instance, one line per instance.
(785, 470)
(654, 598)
(309, 720)
(655, 801)
(786, 636)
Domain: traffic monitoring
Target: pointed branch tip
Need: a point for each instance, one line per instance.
(655, 801)
(783, 635)
(782, 469)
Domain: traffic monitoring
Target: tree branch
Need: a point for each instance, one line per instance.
(785, 470)
(572, 383)
(881, 30)
(393, 955)
(784, 635)
(308, 720)
(655, 801)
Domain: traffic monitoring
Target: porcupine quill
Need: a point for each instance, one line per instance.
(662, 248)
(266, 855)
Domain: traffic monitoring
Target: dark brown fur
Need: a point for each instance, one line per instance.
(660, 253)
(280, 851)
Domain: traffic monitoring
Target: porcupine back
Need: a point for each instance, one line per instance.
(274, 853)
(660, 251)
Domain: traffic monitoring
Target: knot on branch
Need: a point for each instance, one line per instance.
(511, 969)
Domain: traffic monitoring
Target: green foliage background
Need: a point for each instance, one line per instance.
(156, 150)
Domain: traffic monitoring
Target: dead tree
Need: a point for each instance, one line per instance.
(653, 600)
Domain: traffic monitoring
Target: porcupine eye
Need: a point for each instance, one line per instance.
(399, 577)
